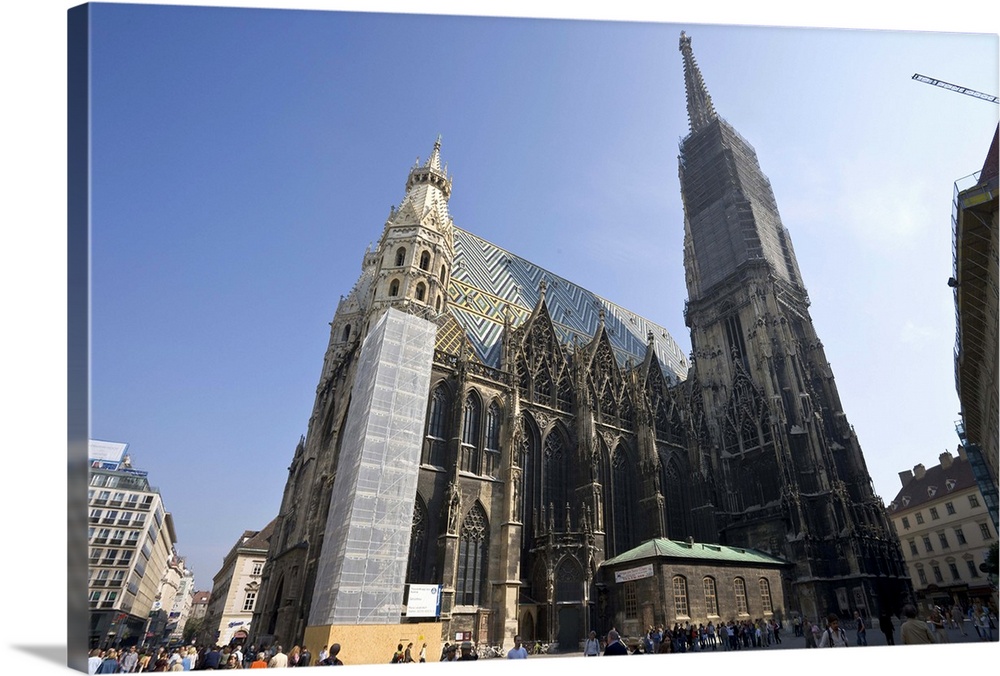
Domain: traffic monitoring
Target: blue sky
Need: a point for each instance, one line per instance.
(244, 159)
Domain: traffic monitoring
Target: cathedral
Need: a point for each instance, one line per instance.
(486, 426)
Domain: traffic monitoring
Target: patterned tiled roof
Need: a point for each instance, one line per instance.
(486, 278)
(936, 483)
(662, 548)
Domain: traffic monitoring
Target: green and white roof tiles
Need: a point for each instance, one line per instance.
(662, 548)
(486, 281)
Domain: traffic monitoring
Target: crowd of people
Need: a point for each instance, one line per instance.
(688, 637)
(190, 658)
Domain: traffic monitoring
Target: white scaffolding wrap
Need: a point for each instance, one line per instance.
(362, 568)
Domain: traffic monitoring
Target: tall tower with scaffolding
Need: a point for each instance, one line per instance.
(790, 476)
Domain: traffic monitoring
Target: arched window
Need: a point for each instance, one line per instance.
(554, 478)
(394, 288)
(418, 541)
(444, 273)
(425, 261)
(347, 333)
(622, 499)
(492, 455)
(421, 291)
(437, 428)
(400, 256)
(711, 598)
(437, 305)
(470, 434)
(473, 555)
(765, 595)
(740, 589)
(680, 596)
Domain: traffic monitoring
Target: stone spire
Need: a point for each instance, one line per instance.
(699, 103)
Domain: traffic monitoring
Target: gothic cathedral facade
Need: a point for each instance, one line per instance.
(562, 430)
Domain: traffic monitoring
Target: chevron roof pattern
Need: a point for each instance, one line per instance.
(485, 279)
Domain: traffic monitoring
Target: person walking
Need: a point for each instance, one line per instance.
(938, 624)
(279, 660)
(887, 628)
(592, 646)
(332, 660)
(518, 652)
(109, 664)
(615, 645)
(94, 660)
(859, 625)
(834, 636)
(260, 662)
(423, 653)
(914, 631)
(408, 653)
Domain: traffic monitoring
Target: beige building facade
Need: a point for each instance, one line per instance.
(945, 530)
(235, 588)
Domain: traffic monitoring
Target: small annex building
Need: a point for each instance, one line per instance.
(664, 582)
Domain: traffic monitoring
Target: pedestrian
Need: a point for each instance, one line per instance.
(94, 660)
(260, 662)
(332, 660)
(305, 657)
(592, 646)
(450, 654)
(213, 658)
(938, 625)
(812, 633)
(887, 628)
(615, 645)
(279, 660)
(423, 653)
(913, 630)
(323, 654)
(231, 662)
(467, 654)
(834, 636)
(408, 653)
(293, 656)
(859, 626)
(518, 652)
(109, 663)
(398, 656)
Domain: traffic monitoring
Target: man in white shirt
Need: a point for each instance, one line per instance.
(94, 661)
(592, 646)
(834, 636)
(518, 652)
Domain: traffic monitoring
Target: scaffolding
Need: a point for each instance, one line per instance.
(362, 567)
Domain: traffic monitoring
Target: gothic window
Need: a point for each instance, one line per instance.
(543, 387)
(675, 492)
(394, 288)
(569, 582)
(473, 556)
(437, 428)
(765, 595)
(347, 333)
(680, 596)
(740, 590)
(734, 335)
(425, 261)
(622, 499)
(711, 598)
(470, 434)
(492, 454)
(437, 305)
(421, 291)
(418, 542)
(564, 395)
(555, 480)
(400, 256)
(444, 272)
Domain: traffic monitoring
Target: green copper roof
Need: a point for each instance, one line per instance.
(673, 549)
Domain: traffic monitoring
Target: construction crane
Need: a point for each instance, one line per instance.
(955, 88)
